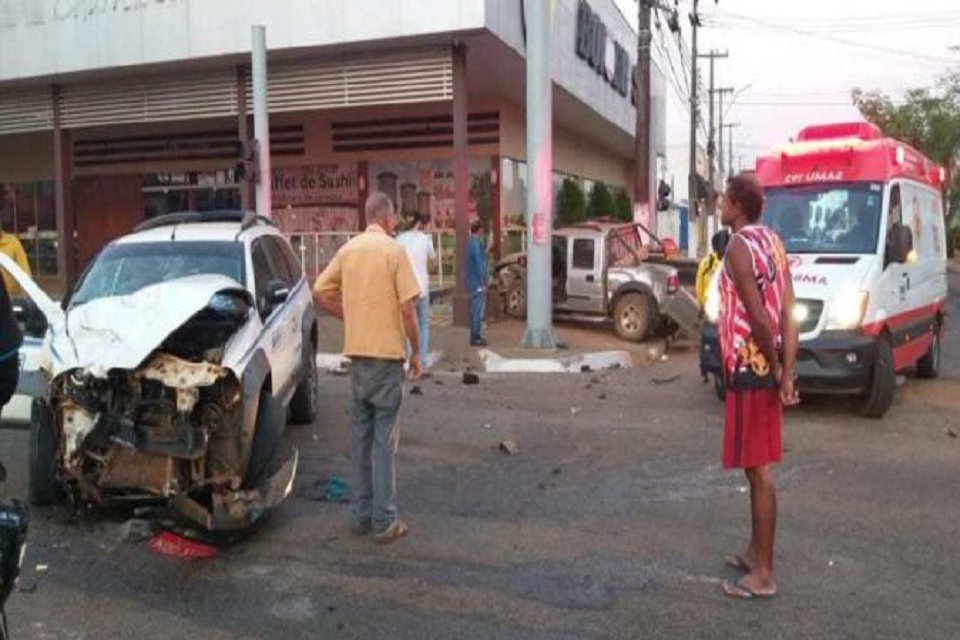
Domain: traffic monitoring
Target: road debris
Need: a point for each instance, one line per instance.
(668, 380)
(574, 410)
(509, 447)
(173, 546)
(951, 433)
(470, 378)
(557, 471)
(42, 569)
(136, 529)
(416, 391)
(602, 396)
(337, 490)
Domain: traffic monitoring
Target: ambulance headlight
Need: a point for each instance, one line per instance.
(846, 311)
(711, 306)
(801, 312)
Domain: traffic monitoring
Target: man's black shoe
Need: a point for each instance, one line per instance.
(478, 343)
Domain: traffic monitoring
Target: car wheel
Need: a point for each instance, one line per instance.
(303, 406)
(44, 487)
(516, 299)
(267, 434)
(878, 398)
(928, 366)
(633, 315)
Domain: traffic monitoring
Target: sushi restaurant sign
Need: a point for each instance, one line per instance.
(315, 184)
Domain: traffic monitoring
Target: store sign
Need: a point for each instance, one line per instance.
(604, 55)
(315, 184)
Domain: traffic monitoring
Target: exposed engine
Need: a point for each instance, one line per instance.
(171, 426)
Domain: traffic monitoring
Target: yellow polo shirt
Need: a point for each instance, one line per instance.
(374, 277)
(10, 245)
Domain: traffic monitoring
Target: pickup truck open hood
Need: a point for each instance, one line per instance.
(119, 332)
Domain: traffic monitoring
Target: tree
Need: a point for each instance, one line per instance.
(927, 119)
(571, 204)
(601, 203)
(624, 208)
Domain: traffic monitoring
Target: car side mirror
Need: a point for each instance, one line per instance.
(277, 292)
(899, 243)
(32, 322)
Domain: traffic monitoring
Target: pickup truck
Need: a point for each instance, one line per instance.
(600, 272)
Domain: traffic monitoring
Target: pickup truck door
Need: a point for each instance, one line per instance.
(585, 276)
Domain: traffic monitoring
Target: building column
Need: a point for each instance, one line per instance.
(461, 182)
(363, 192)
(63, 196)
(495, 211)
(243, 134)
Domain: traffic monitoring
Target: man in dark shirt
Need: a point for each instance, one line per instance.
(477, 276)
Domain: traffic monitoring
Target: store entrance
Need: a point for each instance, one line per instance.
(165, 193)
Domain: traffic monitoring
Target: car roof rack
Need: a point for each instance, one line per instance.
(246, 219)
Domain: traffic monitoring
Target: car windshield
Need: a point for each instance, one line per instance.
(122, 269)
(830, 218)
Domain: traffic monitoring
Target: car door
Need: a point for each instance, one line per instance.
(276, 335)
(288, 269)
(584, 286)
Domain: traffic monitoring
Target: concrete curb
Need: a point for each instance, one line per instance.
(598, 361)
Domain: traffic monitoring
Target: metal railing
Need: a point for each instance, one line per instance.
(316, 249)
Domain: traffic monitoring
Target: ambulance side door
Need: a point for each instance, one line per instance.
(893, 286)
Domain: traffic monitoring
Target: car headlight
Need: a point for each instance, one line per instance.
(847, 311)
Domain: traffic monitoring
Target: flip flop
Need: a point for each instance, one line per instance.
(736, 561)
(398, 529)
(736, 589)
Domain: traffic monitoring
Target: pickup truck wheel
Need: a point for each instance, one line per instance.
(928, 366)
(516, 299)
(633, 316)
(879, 396)
(44, 488)
(303, 406)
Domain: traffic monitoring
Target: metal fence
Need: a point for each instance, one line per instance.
(316, 249)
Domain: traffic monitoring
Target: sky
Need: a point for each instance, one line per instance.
(795, 62)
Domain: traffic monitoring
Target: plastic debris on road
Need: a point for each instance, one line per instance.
(337, 490)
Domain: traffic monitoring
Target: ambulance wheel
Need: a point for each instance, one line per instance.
(879, 396)
(719, 387)
(928, 366)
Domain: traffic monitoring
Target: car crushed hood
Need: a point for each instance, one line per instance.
(119, 332)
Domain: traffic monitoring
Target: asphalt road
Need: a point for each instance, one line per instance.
(611, 522)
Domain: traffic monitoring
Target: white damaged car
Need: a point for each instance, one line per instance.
(169, 373)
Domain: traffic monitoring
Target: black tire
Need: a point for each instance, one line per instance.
(719, 387)
(928, 367)
(515, 299)
(303, 405)
(877, 400)
(44, 486)
(267, 435)
(633, 316)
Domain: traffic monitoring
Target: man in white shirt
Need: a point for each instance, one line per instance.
(419, 247)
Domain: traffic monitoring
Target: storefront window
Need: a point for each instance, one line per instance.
(165, 193)
(29, 211)
(514, 192)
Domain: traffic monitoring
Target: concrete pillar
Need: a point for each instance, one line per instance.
(243, 134)
(63, 196)
(495, 212)
(461, 183)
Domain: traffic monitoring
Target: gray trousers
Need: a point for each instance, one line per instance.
(377, 387)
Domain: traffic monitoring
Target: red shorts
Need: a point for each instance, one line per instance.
(752, 432)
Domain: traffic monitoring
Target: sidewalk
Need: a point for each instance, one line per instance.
(503, 338)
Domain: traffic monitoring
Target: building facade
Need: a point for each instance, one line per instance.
(114, 111)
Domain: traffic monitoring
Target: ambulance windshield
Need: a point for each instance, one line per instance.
(826, 218)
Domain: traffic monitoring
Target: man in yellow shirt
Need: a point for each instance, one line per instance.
(10, 245)
(371, 287)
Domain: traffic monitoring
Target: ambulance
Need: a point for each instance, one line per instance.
(861, 217)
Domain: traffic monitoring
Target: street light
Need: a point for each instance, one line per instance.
(733, 100)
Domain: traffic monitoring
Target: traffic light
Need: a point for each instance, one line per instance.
(663, 196)
(247, 169)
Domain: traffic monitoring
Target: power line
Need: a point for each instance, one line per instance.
(813, 34)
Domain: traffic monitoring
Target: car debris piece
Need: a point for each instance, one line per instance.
(174, 546)
(509, 447)
(470, 378)
(337, 490)
(416, 390)
(663, 381)
(951, 433)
